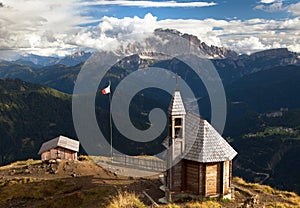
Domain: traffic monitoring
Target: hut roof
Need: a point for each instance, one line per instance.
(60, 141)
(176, 106)
(204, 143)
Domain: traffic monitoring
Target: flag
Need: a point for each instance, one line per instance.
(106, 90)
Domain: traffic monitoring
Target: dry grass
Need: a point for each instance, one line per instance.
(126, 200)
(85, 158)
(205, 204)
(255, 186)
(21, 164)
(93, 158)
(170, 206)
(289, 199)
(279, 205)
(195, 204)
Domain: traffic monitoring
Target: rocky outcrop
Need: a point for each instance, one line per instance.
(213, 52)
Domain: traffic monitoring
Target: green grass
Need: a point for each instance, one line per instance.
(275, 131)
(15, 189)
(54, 193)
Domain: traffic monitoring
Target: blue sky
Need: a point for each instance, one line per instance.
(55, 27)
(224, 9)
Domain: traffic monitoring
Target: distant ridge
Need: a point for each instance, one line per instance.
(37, 61)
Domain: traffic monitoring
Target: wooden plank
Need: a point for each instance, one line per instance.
(152, 201)
(192, 177)
(176, 177)
(212, 179)
(202, 179)
(226, 177)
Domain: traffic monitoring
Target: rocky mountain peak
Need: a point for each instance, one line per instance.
(213, 52)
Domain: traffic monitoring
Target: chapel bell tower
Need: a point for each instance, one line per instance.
(176, 143)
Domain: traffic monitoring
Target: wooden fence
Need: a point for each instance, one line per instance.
(156, 165)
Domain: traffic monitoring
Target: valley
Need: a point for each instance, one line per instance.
(262, 107)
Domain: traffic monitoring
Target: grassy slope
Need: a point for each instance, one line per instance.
(96, 187)
(29, 115)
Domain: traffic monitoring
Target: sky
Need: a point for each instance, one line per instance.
(58, 28)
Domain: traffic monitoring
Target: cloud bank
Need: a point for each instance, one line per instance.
(51, 27)
(243, 36)
(33, 24)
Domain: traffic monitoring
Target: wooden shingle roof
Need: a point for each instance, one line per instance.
(204, 143)
(60, 141)
(176, 106)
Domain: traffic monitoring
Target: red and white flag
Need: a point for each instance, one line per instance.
(106, 90)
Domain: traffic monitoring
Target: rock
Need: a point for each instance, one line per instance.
(52, 170)
(73, 175)
(27, 171)
(52, 161)
(12, 172)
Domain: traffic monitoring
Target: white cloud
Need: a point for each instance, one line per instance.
(34, 24)
(152, 4)
(249, 44)
(273, 6)
(267, 1)
(243, 36)
(277, 6)
(294, 9)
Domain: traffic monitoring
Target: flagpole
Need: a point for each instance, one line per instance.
(110, 124)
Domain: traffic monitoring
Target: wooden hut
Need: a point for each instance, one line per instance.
(199, 158)
(60, 147)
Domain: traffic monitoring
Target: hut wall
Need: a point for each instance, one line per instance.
(192, 176)
(176, 176)
(45, 156)
(230, 173)
(53, 154)
(202, 178)
(67, 154)
(213, 179)
(60, 153)
(226, 172)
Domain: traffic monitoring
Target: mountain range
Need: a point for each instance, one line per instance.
(36, 61)
(36, 105)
